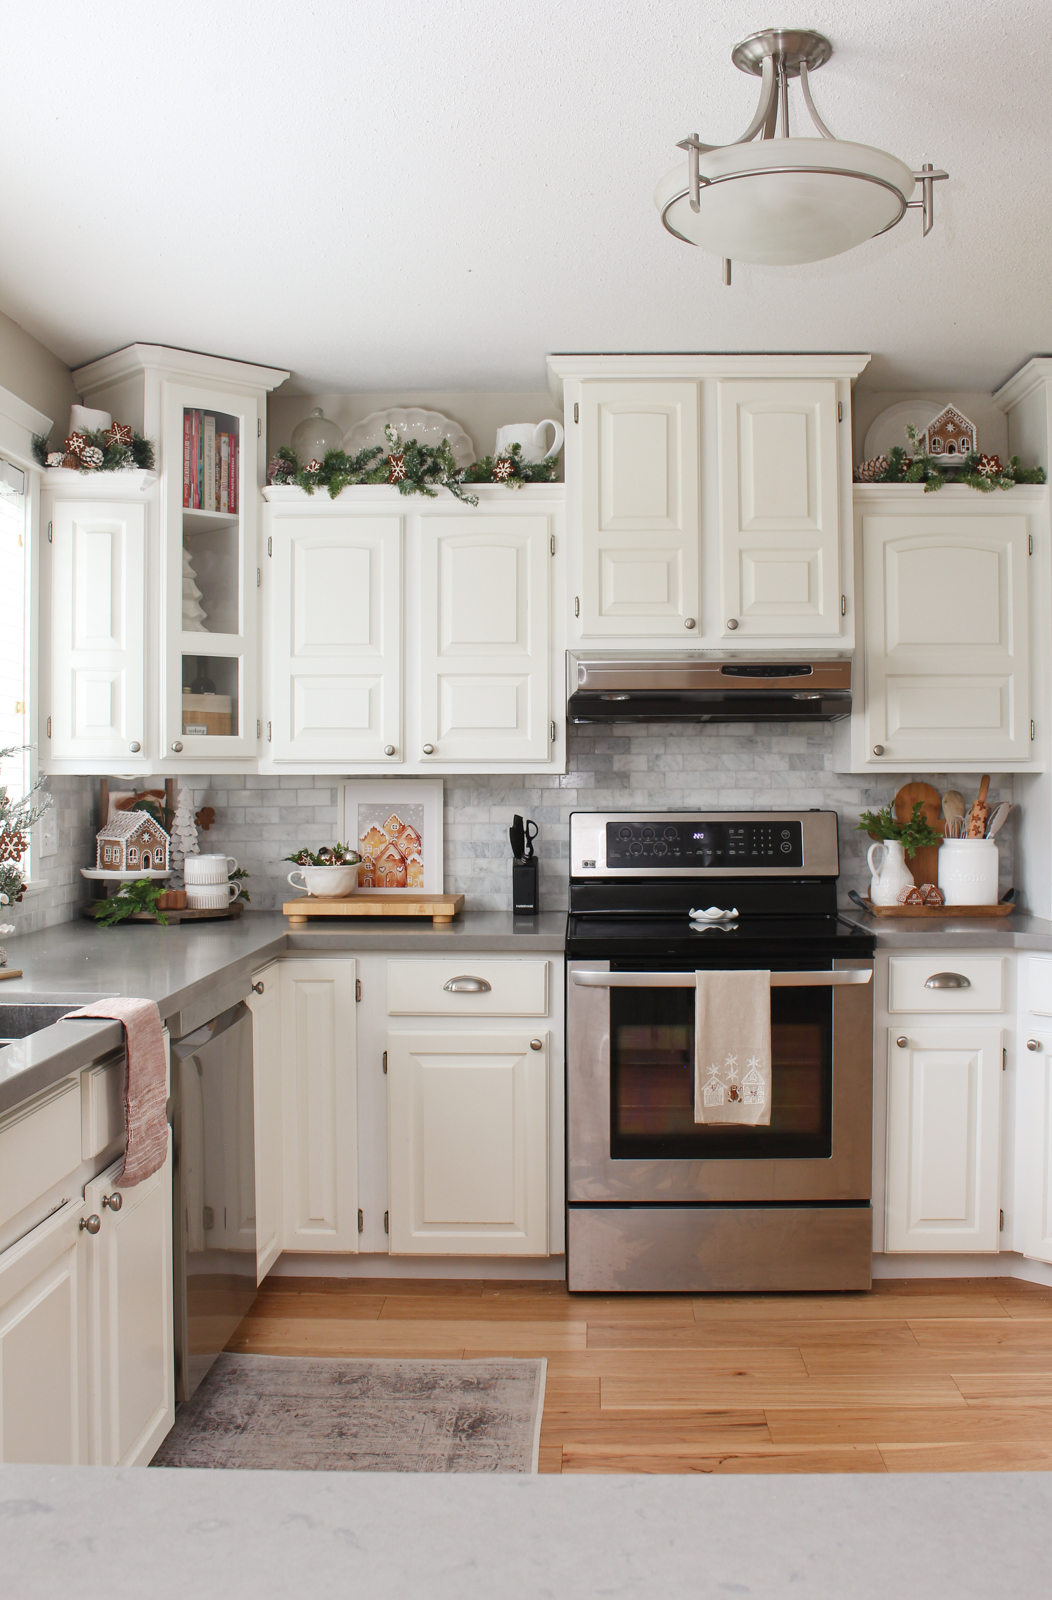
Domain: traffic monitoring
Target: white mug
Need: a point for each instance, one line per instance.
(208, 869)
(211, 896)
(530, 436)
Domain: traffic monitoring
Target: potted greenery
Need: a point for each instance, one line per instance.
(332, 871)
(895, 840)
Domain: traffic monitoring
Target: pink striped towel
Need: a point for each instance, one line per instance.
(145, 1085)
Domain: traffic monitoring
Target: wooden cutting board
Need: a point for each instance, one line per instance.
(365, 903)
(924, 865)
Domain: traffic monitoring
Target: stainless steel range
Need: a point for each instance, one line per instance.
(655, 1200)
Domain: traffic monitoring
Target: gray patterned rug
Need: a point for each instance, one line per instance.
(292, 1412)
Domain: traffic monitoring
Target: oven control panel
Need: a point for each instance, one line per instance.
(707, 842)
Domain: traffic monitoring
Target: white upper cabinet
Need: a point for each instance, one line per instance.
(639, 508)
(336, 643)
(97, 661)
(483, 686)
(779, 508)
(946, 670)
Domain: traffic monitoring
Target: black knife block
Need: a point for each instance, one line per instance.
(525, 899)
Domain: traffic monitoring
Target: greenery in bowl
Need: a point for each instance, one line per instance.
(912, 835)
(335, 855)
(141, 896)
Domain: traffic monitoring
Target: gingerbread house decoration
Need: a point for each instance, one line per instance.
(949, 434)
(713, 1092)
(754, 1091)
(131, 842)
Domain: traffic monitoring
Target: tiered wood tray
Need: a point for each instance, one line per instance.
(939, 911)
(441, 908)
(220, 914)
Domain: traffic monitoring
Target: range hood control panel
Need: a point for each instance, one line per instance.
(635, 845)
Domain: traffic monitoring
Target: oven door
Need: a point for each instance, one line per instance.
(631, 1134)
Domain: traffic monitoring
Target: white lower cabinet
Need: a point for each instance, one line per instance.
(468, 1143)
(130, 1316)
(944, 1139)
(319, 1104)
(44, 1414)
(1034, 1067)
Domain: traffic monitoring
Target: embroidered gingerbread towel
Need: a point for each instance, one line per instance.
(145, 1085)
(732, 1047)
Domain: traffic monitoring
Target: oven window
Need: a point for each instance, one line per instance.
(652, 1079)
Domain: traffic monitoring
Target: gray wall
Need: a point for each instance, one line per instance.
(260, 820)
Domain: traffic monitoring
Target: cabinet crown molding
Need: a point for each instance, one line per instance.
(1030, 376)
(136, 358)
(562, 366)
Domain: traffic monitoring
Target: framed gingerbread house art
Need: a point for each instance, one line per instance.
(396, 827)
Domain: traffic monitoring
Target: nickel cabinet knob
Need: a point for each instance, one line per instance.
(1033, 1044)
(732, 623)
(878, 749)
(689, 622)
(135, 747)
(429, 749)
(257, 988)
(91, 1224)
(902, 1042)
(389, 749)
(536, 1044)
(113, 1202)
(177, 745)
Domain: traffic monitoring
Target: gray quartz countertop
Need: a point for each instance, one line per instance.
(220, 1535)
(193, 969)
(1020, 931)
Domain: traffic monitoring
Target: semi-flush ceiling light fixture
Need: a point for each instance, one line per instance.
(786, 200)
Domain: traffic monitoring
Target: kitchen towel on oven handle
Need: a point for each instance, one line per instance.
(732, 1047)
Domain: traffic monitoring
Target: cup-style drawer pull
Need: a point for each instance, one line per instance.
(1033, 1044)
(947, 980)
(467, 985)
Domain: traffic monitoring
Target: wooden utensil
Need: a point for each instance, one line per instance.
(953, 804)
(924, 863)
(980, 811)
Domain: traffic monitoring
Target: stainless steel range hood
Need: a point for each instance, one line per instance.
(706, 686)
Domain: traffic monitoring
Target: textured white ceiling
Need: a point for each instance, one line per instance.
(436, 193)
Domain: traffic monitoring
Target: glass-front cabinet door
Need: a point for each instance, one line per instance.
(211, 506)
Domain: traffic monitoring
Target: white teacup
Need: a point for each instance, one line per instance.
(211, 896)
(334, 882)
(208, 869)
(530, 437)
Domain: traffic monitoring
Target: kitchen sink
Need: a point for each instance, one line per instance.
(20, 1018)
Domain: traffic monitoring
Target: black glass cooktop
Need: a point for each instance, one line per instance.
(650, 939)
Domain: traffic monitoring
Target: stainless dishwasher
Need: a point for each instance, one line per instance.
(213, 1190)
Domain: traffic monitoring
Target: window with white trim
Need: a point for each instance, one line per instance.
(17, 771)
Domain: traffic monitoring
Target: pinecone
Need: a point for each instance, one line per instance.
(870, 471)
(91, 456)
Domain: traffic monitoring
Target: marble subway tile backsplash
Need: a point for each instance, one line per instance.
(628, 767)
(58, 888)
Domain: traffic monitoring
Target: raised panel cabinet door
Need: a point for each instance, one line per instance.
(947, 636)
(640, 517)
(98, 602)
(132, 1355)
(485, 637)
(944, 1140)
(1035, 1126)
(779, 508)
(264, 1002)
(43, 1345)
(319, 1098)
(336, 664)
(468, 1143)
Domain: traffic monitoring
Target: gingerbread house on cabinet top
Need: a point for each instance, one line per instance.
(949, 434)
(131, 842)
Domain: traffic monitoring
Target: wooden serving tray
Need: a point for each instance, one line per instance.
(223, 913)
(939, 911)
(367, 903)
(10, 972)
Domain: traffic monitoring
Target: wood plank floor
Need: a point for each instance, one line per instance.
(916, 1376)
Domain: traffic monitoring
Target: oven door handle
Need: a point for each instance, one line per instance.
(685, 980)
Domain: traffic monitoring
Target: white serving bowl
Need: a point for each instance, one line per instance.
(336, 883)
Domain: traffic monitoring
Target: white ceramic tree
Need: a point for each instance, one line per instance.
(193, 611)
(184, 837)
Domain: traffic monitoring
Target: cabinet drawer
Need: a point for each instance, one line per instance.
(101, 1107)
(39, 1149)
(514, 988)
(910, 986)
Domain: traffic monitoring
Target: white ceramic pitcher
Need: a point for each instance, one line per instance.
(530, 437)
(890, 875)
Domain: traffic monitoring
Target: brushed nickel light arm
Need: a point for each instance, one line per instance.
(805, 90)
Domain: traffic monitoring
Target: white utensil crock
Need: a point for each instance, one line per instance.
(334, 882)
(211, 896)
(530, 436)
(968, 871)
(891, 875)
(208, 869)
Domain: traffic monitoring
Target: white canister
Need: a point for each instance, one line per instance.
(968, 872)
(208, 869)
(211, 896)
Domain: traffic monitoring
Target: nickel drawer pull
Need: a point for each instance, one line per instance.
(685, 980)
(947, 980)
(467, 985)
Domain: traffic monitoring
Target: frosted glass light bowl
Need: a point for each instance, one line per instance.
(755, 208)
(411, 422)
(315, 436)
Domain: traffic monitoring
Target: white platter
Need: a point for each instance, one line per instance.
(890, 427)
(101, 876)
(427, 427)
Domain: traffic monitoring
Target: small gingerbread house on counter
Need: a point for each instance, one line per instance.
(949, 434)
(131, 841)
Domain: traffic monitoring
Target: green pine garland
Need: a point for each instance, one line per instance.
(115, 457)
(422, 468)
(931, 470)
(485, 470)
